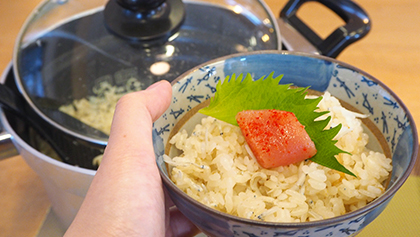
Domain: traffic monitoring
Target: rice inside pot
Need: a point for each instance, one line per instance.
(98, 110)
(217, 169)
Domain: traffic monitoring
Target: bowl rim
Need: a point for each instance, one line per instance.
(386, 196)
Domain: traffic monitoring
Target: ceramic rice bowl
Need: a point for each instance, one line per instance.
(387, 114)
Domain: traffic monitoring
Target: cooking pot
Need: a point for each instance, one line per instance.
(67, 48)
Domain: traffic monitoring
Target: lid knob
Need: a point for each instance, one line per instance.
(148, 21)
(142, 5)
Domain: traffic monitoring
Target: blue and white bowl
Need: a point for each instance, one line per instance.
(358, 89)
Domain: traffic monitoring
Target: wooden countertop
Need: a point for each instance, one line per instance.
(390, 52)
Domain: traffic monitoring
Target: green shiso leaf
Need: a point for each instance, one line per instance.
(237, 93)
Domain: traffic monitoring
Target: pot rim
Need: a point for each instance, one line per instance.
(16, 138)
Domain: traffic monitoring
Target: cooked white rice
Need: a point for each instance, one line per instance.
(216, 169)
(98, 110)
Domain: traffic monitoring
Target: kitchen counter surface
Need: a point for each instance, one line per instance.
(390, 52)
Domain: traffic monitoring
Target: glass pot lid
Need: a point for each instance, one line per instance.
(78, 57)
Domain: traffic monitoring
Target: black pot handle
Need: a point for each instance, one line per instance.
(357, 25)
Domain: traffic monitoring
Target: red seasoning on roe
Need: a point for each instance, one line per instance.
(275, 137)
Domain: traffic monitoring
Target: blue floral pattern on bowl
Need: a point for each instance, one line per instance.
(358, 89)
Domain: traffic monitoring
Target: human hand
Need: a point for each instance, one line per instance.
(126, 196)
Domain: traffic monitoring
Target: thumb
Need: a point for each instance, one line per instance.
(127, 189)
(131, 130)
(133, 119)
